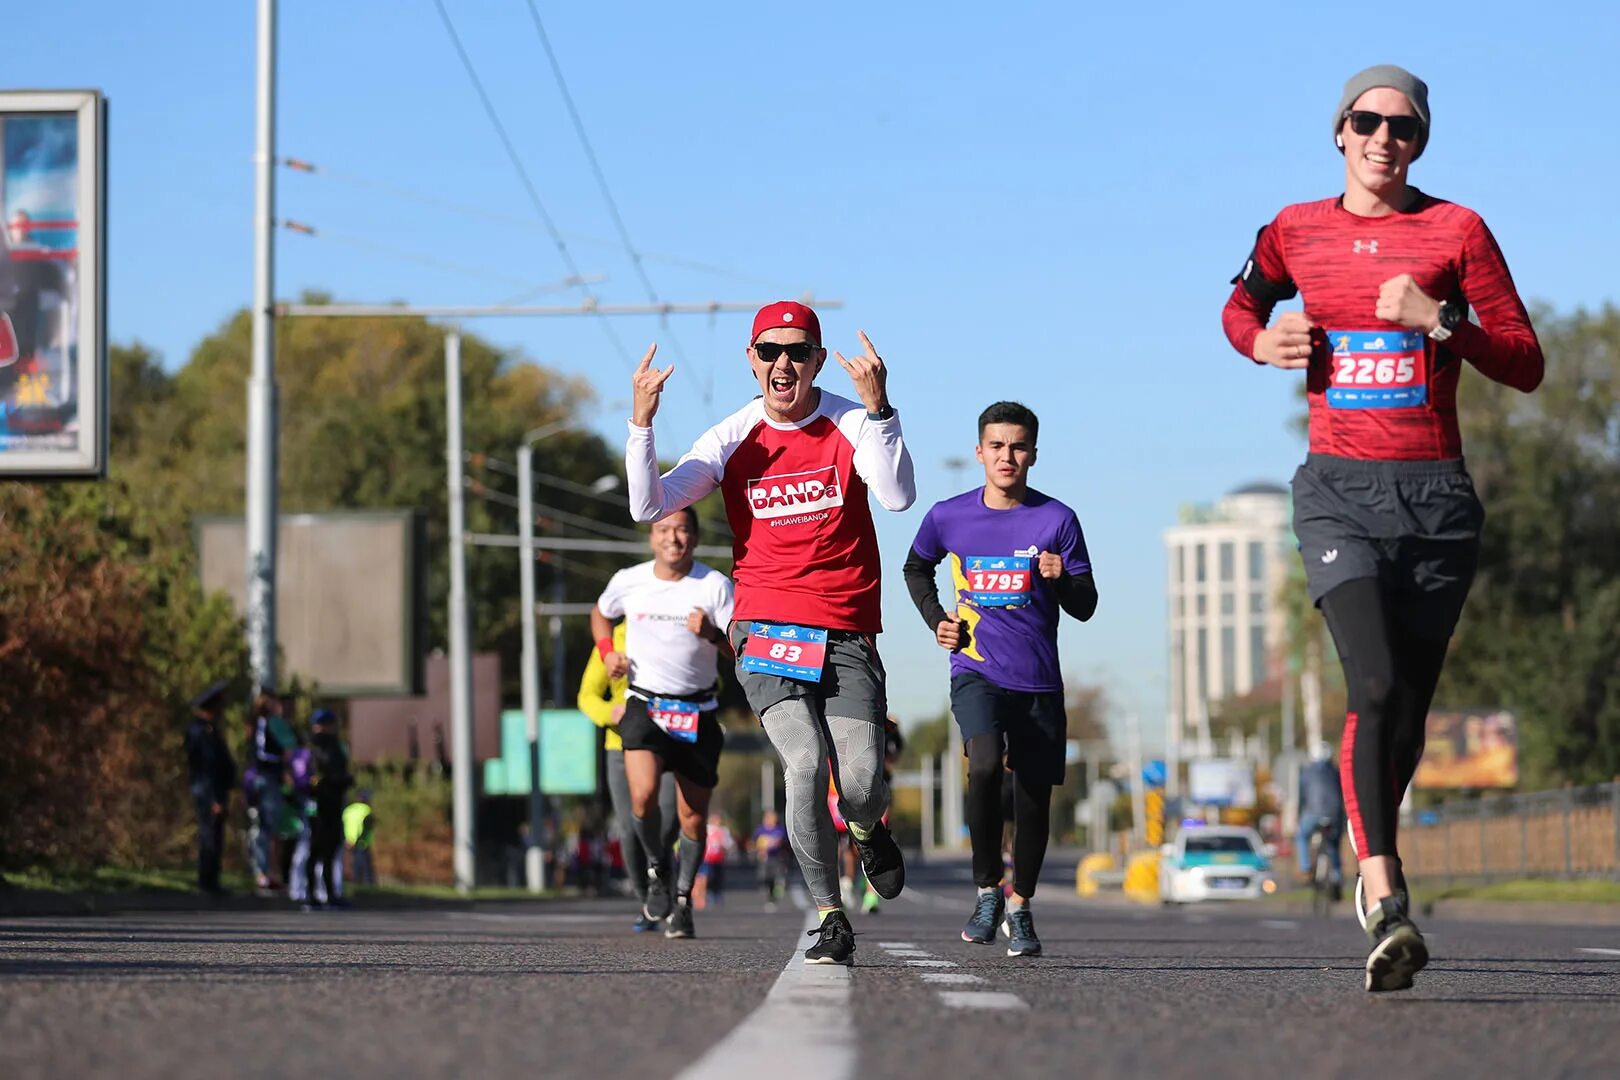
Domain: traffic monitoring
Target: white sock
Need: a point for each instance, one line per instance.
(1015, 904)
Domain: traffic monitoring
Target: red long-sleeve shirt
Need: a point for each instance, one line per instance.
(1376, 390)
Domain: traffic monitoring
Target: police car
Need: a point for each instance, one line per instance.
(1215, 862)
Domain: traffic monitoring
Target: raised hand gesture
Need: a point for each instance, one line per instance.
(1050, 566)
(647, 384)
(868, 374)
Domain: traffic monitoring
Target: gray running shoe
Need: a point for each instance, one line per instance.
(1398, 950)
(1020, 927)
(680, 920)
(987, 915)
(658, 898)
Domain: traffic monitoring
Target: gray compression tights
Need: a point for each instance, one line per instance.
(635, 855)
(805, 741)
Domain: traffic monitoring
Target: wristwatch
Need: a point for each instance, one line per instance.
(882, 414)
(1451, 317)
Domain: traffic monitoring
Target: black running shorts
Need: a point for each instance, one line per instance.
(1034, 725)
(697, 761)
(1413, 525)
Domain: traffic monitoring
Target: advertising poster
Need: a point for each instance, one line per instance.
(52, 340)
(1469, 749)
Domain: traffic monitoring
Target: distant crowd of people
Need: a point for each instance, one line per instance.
(296, 788)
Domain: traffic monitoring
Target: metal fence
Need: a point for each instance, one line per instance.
(1568, 833)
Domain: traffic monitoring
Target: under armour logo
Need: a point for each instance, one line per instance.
(1330, 555)
(1369, 246)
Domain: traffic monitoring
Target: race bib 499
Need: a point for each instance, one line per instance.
(1377, 369)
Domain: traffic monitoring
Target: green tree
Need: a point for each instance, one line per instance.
(1539, 633)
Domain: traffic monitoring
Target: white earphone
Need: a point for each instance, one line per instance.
(1338, 140)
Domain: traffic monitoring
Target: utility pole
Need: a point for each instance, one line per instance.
(261, 403)
(461, 739)
(534, 863)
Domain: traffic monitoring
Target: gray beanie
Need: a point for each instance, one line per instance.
(1396, 78)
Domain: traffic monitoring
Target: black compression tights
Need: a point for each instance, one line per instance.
(1032, 818)
(1389, 677)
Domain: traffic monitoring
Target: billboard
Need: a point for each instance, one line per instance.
(568, 742)
(1220, 782)
(1476, 748)
(350, 594)
(53, 348)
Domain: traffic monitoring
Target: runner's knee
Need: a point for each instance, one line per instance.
(984, 763)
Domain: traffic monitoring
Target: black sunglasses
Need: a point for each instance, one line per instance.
(1401, 128)
(799, 352)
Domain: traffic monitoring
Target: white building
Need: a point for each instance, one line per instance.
(1226, 564)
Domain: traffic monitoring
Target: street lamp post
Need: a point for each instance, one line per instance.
(534, 863)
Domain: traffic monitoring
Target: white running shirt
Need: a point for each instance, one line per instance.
(666, 657)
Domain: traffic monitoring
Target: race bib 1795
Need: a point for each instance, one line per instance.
(997, 580)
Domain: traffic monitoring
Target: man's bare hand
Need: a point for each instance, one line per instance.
(951, 634)
(1287, 344)
(870, 377)
(647, 384)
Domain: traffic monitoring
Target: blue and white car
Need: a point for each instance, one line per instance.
(1215, 862)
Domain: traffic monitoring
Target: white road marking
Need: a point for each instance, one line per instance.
(1599, 952)
(785, 1037)
(929, 963)
(981, 999)
(948, 977)
(896, 945)
(919, 954)
(484, 916)
(1280, 924)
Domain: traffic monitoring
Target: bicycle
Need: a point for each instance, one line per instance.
(1325, 890)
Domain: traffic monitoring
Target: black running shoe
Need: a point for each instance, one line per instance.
(658, 898)
(885, 867)
(987, 915)
(1020, 927)
(1398, 951)
(835, 941)
(680, 919)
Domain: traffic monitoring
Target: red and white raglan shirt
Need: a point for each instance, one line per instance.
(1377, 390)
(796, 499)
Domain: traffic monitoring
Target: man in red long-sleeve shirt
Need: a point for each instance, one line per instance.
(1386, 515)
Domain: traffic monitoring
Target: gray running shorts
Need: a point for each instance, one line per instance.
(852, 679)
(1413, 525)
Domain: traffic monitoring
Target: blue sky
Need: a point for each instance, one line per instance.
(1028, 201)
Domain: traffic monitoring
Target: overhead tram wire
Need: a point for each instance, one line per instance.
(425, 198)
(574, 487)
(361, 243)
(528, 182)
(706, 391)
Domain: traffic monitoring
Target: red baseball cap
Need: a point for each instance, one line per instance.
(788, 313)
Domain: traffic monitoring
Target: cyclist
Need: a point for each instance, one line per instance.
(1385, 512)
(1321, 806)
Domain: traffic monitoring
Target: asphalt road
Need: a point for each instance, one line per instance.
(565, 990)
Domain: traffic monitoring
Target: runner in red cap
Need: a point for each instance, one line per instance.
(1384, 510)
(795, 465)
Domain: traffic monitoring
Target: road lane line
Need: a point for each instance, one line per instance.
(929, 963)
(1280, 924)
(896, 945)
(960, 977)
(786, 1037)
(1601, 952)
(981, 999)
